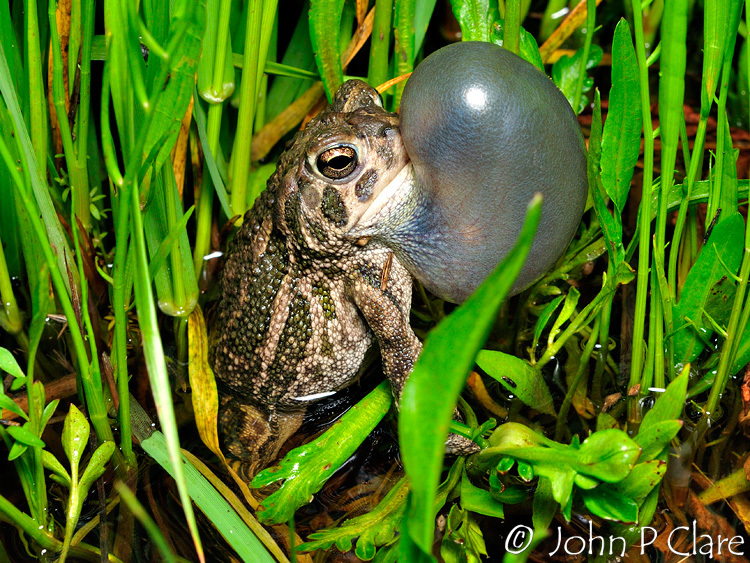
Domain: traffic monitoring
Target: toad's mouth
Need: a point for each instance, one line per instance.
(384, 202)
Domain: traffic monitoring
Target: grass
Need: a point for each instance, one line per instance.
(114, 161)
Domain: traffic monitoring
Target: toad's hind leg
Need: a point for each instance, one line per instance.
(399, 346)
(253, 435)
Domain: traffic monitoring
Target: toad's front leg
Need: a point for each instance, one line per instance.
(387, 314)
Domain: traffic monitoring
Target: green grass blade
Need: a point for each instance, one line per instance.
(175, 281)
(423, 10)
(221, 191)
(208, 499)
(36, 99)
(377, 72)
(251, 65)
(295, 72)
(644, 212)
(325, 21)
(671, 94)
(512, 25)
(38, 176)
(152, 529)
(432, 389)
(185, 46)
(724, 195)
(404, 44)
(156, 365)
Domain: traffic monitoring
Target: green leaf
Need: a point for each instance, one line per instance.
(479, 500)
(605, 421)
(187, 31)
(518, 377)
(507, 494)
(544, 318)
(325, 20)
(584, 482)
(728, 186)
(656, 437)
(607, 504)
(641, 481)
(621, 142)
(561, 480)
(528, 49)
(720, 301)
(463, 539)
(722, 251)
(95, 467)
(715, 31)
(25, 436)
(611, 223)
(475, 18)
(667, 408)
(207, 63)
(306, 469)
(51, 463)
(525, 471)
(743, 351)
(199, 117)
(10, 405)
(404, 47)
(671, 84)
(299, 54)
(517, 435)
(565, 74)
(175, 280)
(75, 437)
(37, 172)
(210, 501)
(608, 455)
(167, 244)
(16, 451)
(571, 301)
(49, 410)
(432, 389)
(423, 10)
(42, 303)
(9, 364)
(700, 194)
(374, 529)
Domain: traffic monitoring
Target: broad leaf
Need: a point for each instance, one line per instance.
(621, 142)
(607, 504)
(722, 252)
(479, 500)
(566, 70)
(518, 377)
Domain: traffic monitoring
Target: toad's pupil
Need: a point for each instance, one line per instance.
(337, 163)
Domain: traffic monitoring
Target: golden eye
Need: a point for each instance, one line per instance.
(337, 162)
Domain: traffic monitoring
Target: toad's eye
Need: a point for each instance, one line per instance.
(337, 162)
